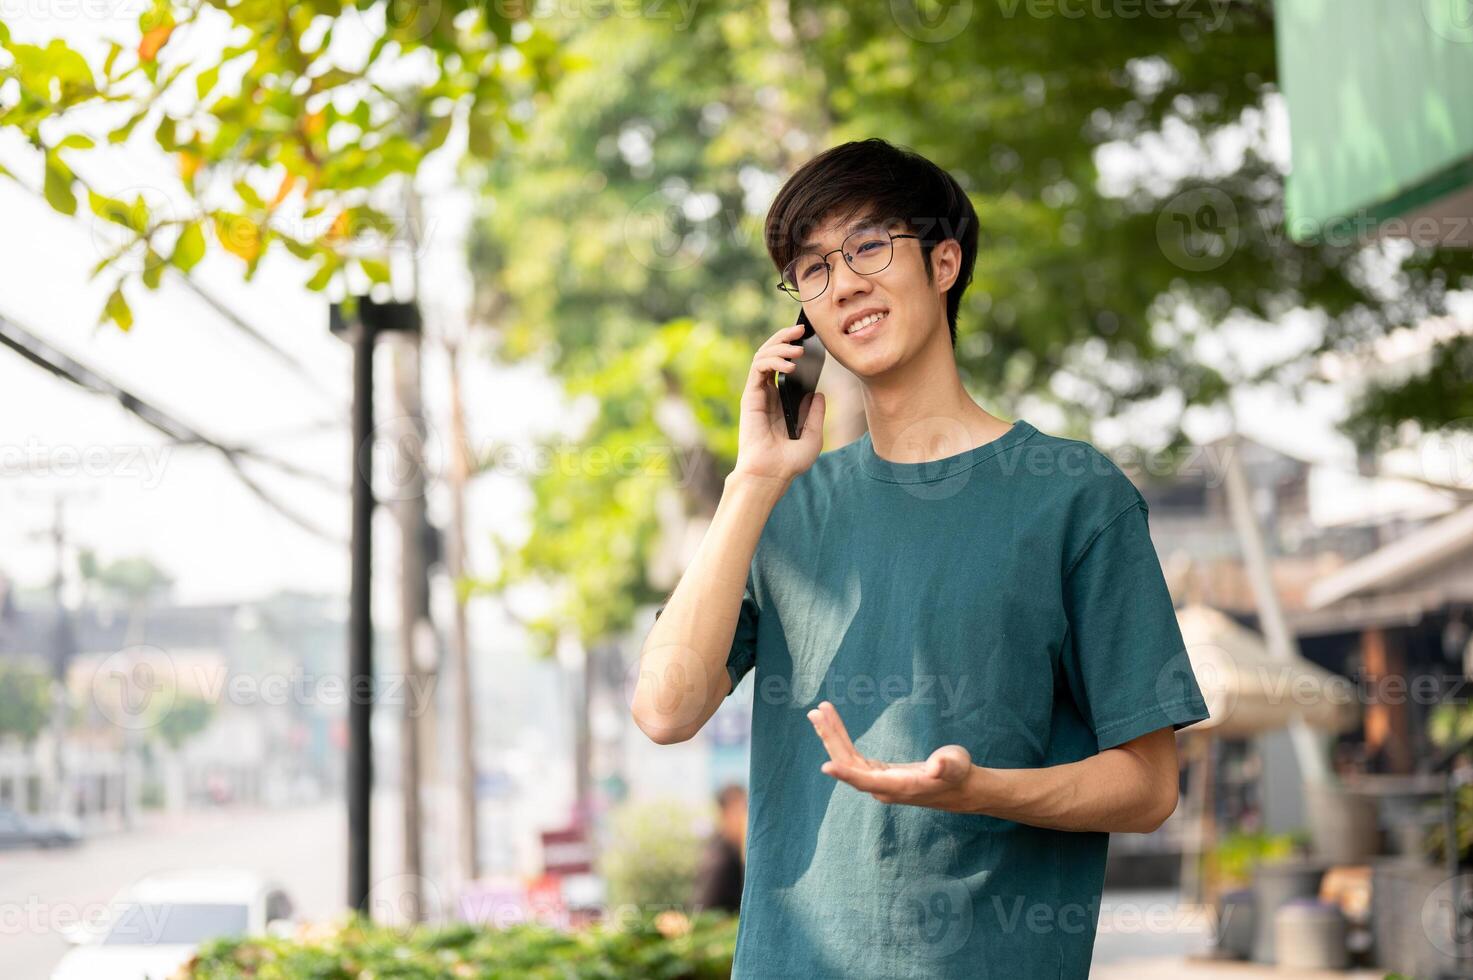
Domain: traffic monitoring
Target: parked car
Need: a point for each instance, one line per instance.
(24, 830)
(155, 925)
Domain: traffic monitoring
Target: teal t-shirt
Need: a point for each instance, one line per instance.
(1006, 599)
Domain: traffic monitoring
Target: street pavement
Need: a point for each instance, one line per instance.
(302, 847)
(1143, 935)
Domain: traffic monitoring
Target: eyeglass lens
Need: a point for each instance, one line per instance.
(867, 251)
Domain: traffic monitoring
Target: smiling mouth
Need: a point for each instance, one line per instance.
(867, 324)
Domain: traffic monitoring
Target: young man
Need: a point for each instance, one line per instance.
(968, 667)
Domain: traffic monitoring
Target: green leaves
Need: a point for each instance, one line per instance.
(153, 268)
(376, 270)
(190, 247)
(204, 83)
(286, 129)
(668, 944)
(329, 265)
(439, 130)
(25, 693)
(117, 310)
(58, 185)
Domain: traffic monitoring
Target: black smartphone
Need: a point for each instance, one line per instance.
(803, 379)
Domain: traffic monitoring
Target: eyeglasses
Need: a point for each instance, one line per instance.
(867, 251)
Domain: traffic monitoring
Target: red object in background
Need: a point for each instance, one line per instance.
(339, 733)
(545, 901)
(566, 851)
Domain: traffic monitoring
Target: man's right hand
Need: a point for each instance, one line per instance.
(763, 446)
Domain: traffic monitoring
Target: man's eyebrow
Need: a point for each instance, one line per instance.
(865, 222)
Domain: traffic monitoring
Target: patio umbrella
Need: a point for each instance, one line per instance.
(1251, 692)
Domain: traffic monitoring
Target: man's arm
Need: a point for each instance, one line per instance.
(1131, 788)
(682, 666)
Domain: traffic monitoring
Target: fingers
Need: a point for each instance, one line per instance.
(830, 728)
(762, 367)
(773, 355)
(786, 350)
(882, 781)
(785, 334)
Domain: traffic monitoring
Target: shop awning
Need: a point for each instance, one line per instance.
(1380, 118)
(1250, 692)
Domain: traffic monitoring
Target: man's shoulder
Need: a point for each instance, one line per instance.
(1074, 471)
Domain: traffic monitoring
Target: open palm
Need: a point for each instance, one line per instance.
(938, 782)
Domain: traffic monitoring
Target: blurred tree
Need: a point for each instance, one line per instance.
(134, 583)
(285, 120)
(129, 581)
(25, 700)
(1132, 242)
(652, 855)
(187, 715)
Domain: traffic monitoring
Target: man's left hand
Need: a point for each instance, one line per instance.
(940, 782)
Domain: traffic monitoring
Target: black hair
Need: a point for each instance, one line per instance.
(875, 179)
(730, 794)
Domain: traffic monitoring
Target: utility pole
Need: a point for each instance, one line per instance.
(417, 638)
(63, 648)
(1277, 636)
(359, 322)
(414, 611)
(460, 471)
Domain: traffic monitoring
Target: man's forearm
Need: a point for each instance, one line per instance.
(1113, 791)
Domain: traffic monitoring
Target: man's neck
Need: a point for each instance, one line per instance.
(921, 412)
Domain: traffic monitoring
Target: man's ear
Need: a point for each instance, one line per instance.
(946, 264)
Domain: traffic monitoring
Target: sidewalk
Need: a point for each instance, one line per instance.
(1186, 968)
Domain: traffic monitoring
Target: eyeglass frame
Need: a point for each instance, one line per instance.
(824, 258)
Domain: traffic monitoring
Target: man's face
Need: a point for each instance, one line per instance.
(910, 305)
(734, 821)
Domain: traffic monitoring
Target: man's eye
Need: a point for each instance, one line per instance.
(812, 270)
(870, 245)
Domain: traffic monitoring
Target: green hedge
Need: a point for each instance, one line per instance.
(699, 948)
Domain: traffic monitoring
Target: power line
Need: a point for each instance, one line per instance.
(235, 320)
(230, 316)
(54, 361)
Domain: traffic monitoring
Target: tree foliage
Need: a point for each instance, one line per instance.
(25, 700)
(1133, 248)
(282, 132)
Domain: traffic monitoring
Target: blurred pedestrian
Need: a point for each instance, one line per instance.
(719, 880)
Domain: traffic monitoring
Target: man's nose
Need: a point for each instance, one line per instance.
(844, 281)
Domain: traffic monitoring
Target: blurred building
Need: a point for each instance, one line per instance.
(1380, 593)
(176, 706)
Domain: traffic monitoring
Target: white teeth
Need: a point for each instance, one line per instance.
(861, 324)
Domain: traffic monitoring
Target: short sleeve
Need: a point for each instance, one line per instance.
(742, 656)
(1125, 661)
